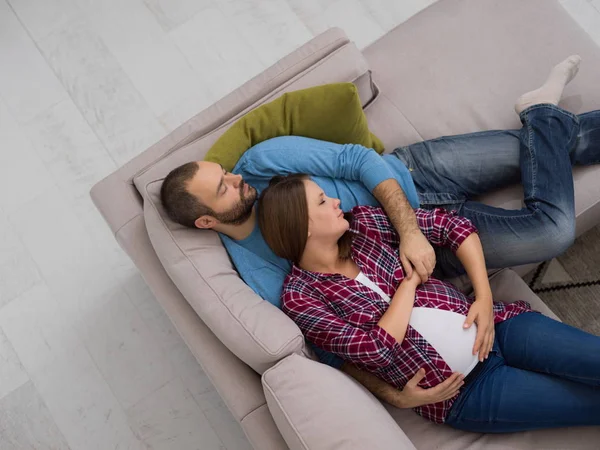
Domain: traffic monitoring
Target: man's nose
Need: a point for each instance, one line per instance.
(236, 180)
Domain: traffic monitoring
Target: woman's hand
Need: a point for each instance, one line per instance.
(413, 280)
(482, 313)
(412, 395)
(417, 254)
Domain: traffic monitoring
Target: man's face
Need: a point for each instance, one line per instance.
(229, 197)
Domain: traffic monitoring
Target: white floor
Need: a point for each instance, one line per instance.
(88, 359)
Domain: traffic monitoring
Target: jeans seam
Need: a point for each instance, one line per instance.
(477, 213)
(550, 106)
(463, 420)
(532, 159)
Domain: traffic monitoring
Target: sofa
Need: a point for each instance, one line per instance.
(456, 67)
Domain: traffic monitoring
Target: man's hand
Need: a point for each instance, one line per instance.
(482, 313)
(415, 250)
(412, 395)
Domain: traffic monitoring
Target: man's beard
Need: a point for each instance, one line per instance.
(240, 212)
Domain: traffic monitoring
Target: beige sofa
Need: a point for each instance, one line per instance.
(456, 67)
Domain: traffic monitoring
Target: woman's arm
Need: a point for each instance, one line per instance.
(396, 318)
(323, 327)
(470, 254)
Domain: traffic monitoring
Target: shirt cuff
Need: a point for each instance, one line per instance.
(388, 341)
(377, 172)
(459, 233)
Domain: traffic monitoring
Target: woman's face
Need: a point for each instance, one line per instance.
(325, 218)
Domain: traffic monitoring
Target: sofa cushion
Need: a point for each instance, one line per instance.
(330, 112)
(315, 406)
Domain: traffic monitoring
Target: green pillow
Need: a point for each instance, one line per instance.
(331, 112)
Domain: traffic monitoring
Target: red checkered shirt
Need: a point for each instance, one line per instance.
(340, 314)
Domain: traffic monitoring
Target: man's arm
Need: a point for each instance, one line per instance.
(295, 154)
(412, 395)
(351, 162)
(414, 247)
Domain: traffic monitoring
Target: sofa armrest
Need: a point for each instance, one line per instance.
(318, 407)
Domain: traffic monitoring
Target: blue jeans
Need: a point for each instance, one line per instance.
(451, 172)
(540, 373)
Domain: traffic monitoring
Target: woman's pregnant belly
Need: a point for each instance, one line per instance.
(444, 331)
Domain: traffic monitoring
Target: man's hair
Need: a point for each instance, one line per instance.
(283, 218)
(181, 206)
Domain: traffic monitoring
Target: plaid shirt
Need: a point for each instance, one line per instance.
(340, 315)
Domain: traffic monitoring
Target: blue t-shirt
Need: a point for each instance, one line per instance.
(349, 172)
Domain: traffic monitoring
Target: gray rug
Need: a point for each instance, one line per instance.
(570, 284)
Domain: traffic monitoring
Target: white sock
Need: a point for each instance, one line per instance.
(551, 91)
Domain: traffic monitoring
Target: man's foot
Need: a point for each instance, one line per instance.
(552, 89)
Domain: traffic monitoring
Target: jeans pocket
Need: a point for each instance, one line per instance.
(446, 200)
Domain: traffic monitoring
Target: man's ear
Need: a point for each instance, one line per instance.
(205, 222)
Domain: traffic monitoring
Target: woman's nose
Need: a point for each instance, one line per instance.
(337, 203)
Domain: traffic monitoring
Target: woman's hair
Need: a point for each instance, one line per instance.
(283, 218)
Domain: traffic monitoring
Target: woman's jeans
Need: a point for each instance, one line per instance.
(451, 172)
(540, 373)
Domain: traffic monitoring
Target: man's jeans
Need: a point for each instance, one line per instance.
(540, 374)
(450, 172)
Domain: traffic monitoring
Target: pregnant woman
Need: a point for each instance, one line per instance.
(348, 293)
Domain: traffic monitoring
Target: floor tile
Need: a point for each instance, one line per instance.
(227, 428)
(18, 271)
(351, 16)
(311, 13)
(151, 60)
(586, 15)
(124, 350)
(41, 18)
(151, 312)
(38, 329)
(211, 40)
(390, 13)
(12, 373)
(72, 265)
(83, 406)
(170, 419)
(182, 360)
(26, 423)
(71, 152)
(18, 157)
(188, 108)
(102, 91)
(210, 400)
(270, 27)
(172, 13)
(27, 84)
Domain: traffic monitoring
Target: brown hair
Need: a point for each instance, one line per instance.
(181, 206)
(283, 218)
